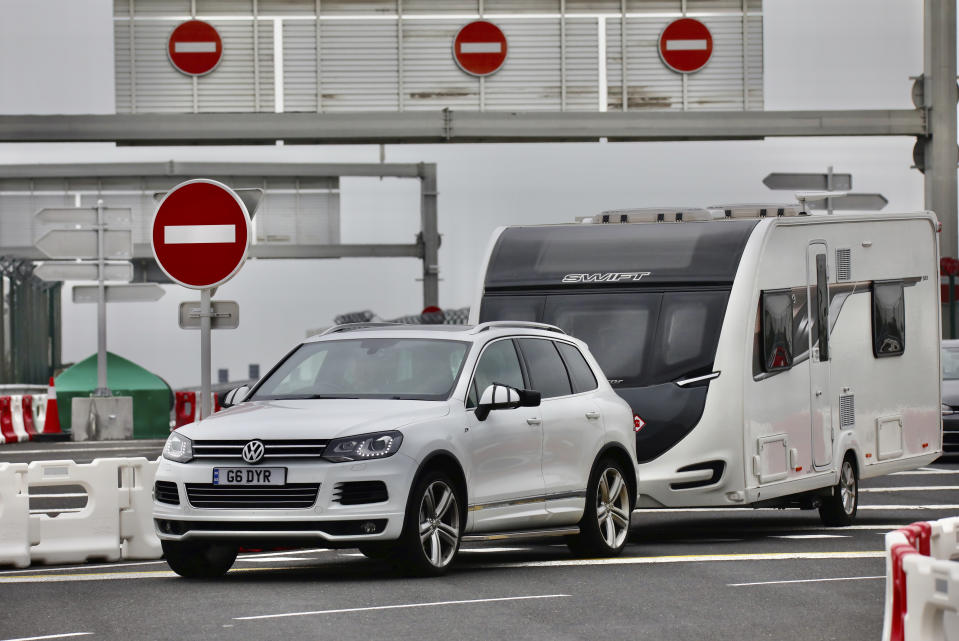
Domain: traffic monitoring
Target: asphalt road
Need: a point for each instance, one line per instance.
(685, 575)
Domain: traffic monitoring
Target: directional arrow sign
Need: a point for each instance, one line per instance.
(852, 202)
(225, 315)
(818, 182)
(122, 217)
(82, 243)
(84, 271)
(134, 293)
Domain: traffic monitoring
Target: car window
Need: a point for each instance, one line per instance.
(580, 372)
(547, 372)
(499, 363)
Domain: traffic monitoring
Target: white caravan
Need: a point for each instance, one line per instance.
(708, 322)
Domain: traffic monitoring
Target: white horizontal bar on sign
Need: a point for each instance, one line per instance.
(191, 234)
(481, 47)
(194, 47)
(685, 45)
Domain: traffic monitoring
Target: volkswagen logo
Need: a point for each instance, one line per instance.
(253, 452)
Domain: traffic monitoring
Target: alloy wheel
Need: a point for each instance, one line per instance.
(847, 488)
(612, 507)
(439, 519)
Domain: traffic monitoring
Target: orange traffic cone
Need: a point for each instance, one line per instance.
(51, 421)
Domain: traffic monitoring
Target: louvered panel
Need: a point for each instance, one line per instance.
(754, 61)
(431, 78)
(153, 7)
(847, 411)
(714, 6)
(358, 66)
(843, 264)
(719, 85)
(159, 87)
(520, 6)
(210, 8)
(354, 7)
(652, 85)
(230, 86)
(592, 6)
(290, 8)
(122, 66)
(531, 79)
(653, 6)
(299, 65)
(582, 64)
(436, 7)
(614, 66)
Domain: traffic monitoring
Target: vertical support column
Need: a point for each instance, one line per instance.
(56, 329)
(940, 96)
(102, 388)
(429, 235)
(205, 314)
(3, 332)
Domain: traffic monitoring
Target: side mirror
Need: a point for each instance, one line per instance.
(503, 397)
(234, 396)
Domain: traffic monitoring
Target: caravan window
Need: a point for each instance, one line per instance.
(888, 319)
(777, 330)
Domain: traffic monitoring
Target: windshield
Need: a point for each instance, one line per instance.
(393, 368)
(950, 363)
(638, 338)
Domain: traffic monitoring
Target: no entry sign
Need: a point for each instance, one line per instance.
(195, 48)
(686, 45)
(480, 48)
(201, 232)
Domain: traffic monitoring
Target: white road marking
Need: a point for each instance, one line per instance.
(472, 550)
(909, 507)
(194, 47)
(401, 606)
(254, 555)
(93, 576)
(809, 536)
(692, 558)
(28, 571)
(924, 471)
(274, 559)
(841, 578)
(680, 510)
(193, 234)
(52, 636)
(685, 45)
(917, 488)
(143, 448)
(481, 47)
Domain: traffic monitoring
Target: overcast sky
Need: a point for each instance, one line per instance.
(56, 56)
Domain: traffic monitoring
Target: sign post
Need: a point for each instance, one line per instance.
(201, 233)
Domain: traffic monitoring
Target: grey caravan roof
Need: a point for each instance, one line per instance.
(615, 254)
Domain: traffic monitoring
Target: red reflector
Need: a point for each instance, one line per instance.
(924, 445)
(638, 423)
(799, 469)
(780, 359)
(868, 455)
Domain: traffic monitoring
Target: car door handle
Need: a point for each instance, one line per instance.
(534, 420)
(592, 414)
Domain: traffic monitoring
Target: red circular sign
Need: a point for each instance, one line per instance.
(195, 48)
(201, 232)
(686, 45)
(480, 48)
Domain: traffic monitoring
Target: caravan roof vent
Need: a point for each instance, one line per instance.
(759, 210)
(650, 215)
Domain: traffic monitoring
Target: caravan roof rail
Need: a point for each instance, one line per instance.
(349, 327)
(649, 215)
(483, 327)
(759, 210)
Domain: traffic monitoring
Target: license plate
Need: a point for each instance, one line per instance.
(249, 476)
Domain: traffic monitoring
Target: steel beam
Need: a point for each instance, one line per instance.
(142, 251)
(940, 95)
(454, 126)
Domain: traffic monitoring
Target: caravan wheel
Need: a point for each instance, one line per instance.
(839, 509)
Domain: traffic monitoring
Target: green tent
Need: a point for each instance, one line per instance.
(152, 397)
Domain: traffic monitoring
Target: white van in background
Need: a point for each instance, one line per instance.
(709, 323)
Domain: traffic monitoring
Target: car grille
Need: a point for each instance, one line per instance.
(166, 492)
(310, 448)
(290, 496)
(359, 492)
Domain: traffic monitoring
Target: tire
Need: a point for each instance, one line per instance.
(839, 508)
(378, 551)
(604, 528)
(433, 527)
(198, 560)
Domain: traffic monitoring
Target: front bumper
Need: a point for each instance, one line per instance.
(326, 522)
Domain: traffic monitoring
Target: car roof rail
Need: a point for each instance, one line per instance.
(349, 327)
(483, 327)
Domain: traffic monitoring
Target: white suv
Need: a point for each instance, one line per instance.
(402, 440)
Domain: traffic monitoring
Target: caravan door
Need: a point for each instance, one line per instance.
(817, 304)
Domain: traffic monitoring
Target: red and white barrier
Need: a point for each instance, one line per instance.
(922, 581)
(19, 420)
(185, 409)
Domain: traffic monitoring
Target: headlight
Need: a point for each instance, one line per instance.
(178, 448)
(363, 447)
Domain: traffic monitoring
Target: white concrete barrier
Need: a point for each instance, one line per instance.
(138, 539)
(16, 410)
(14, 515)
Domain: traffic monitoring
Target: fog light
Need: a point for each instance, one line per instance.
(369, 527)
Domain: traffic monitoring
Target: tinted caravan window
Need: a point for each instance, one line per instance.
(777, 330)
(888, 319)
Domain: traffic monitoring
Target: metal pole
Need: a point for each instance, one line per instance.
(205, 314)
(829, 188)
(430, 235)
(940, 96)
(3, 333)
(102, 388)
(952, 305)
